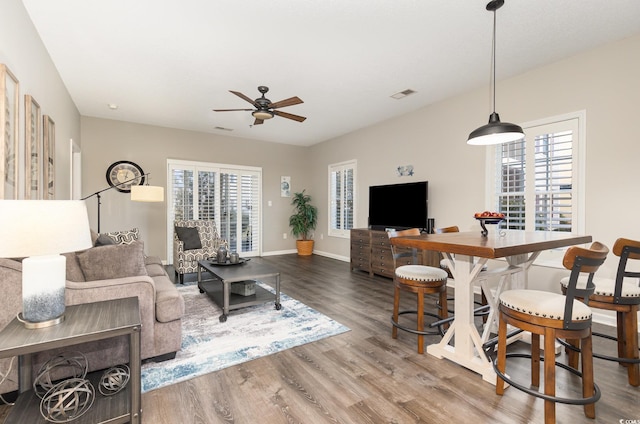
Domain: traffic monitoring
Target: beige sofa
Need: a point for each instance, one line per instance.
(103, 273)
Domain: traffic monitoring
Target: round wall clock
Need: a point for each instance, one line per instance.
(123, 174)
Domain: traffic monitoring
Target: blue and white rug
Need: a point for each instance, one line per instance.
(249, 333)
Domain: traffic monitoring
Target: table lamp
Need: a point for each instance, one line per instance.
(38, 231)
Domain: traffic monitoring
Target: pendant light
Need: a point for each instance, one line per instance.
(495, 132)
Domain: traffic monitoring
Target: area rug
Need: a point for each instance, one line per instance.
(249, 333)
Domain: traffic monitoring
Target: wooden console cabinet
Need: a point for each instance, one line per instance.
(371, 252)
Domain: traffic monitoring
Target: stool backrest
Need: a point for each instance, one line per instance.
(403, 253)
(452, 229)
(626, 249)
(581, 260)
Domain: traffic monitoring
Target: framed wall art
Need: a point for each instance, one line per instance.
(32, 149)
(9, 100)
(48, 157)
(285, 186)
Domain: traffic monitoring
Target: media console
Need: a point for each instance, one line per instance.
(371, 252)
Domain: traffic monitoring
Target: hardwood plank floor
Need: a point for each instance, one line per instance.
(365, 376)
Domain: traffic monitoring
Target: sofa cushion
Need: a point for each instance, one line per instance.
(190, 237)
(169, 302)
(124, 237)
(74, 271)
(115, 261)
(104, 240)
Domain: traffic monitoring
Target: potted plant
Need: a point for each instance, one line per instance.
(303, 221)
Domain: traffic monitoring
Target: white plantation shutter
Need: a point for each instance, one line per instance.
(230, 195)
(342, 180)
(538, 181)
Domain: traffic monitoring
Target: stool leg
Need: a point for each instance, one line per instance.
(535, 360)
(502, 353)
(396, 307)
(573, 355)
(622, 340)
(420, 321)
(631, 337)
(549, 374)
(444, 310)
(587, 374)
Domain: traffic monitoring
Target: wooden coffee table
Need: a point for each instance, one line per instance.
(218, 288)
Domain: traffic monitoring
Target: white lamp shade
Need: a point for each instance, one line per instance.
(43, 227)
(40, 230)
(146, 193)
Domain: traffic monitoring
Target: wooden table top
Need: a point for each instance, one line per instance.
(472, 243)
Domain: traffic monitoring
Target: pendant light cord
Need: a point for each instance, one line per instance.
(493, 66)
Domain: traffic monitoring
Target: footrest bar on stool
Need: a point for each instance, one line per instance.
(490, 344)
(476, 312)
(599, 355)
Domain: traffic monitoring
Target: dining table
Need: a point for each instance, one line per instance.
(466, 254)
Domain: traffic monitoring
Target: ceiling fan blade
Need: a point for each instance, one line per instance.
(258, 121)
(230, 110)
(286, 102)
(243, 97)
(289, 116)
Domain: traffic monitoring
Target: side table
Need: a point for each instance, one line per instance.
(83, 323)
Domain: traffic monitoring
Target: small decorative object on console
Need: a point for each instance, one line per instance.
(487, 217)
(69, 363)
(67, 400)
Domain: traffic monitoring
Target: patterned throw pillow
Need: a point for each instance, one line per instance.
(124, 237)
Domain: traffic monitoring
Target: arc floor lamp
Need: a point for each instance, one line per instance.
(139, 193)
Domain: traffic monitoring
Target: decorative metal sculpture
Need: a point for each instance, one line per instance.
(114, 380)
(72, 364)
(67, 400)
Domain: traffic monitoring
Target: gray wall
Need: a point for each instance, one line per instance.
(23, 52)
(106, 141)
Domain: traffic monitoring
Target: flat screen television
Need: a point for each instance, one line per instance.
(398, 206)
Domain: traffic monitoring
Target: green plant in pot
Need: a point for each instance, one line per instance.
(303, 221)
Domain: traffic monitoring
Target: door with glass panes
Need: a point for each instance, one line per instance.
(229, 195)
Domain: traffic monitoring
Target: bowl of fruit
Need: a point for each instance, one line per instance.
(487, 217)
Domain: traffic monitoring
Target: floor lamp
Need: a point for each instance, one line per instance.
(139, 193)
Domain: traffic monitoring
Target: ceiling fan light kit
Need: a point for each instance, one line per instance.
(264, 108)
(495, 132)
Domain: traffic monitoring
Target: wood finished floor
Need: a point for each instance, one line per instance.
(365, 376)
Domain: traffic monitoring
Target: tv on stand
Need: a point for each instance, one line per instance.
(399, 206)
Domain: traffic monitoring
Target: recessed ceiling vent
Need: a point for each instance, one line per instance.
(403, 94)
(222, 129)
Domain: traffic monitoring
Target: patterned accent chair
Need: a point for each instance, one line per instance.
(186, 261)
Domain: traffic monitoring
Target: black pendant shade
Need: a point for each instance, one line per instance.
(495, 132)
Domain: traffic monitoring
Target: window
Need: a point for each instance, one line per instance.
(230, 195)
(342, 205)
(537, 182)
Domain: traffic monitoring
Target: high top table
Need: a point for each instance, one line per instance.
(472, 250)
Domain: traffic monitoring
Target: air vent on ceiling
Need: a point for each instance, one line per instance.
(222, 129)
(403, 94)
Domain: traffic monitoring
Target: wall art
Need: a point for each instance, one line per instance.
(49, 155)
(32, 149)
(285, 186)
(405, 171)
(9, 100)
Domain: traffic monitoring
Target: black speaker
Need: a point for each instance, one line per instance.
(430, 225)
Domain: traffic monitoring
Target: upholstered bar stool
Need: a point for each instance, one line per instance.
(419, 279)
(621, 295)
(554, 315)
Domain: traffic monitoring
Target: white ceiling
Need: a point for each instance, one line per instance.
(170, 62)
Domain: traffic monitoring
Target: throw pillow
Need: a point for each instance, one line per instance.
(104, 240)
(124, 237)
(74, 271)
(190, 237)
(114, 261)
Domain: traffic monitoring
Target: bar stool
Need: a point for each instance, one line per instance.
(622, 296)
(553, 315)
(411, 277)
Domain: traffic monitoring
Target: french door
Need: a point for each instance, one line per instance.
(228, 194)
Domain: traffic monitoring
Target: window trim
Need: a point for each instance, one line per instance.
(348, 164)
(551, 259)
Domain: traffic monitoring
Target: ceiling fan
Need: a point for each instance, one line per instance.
(264, 109)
